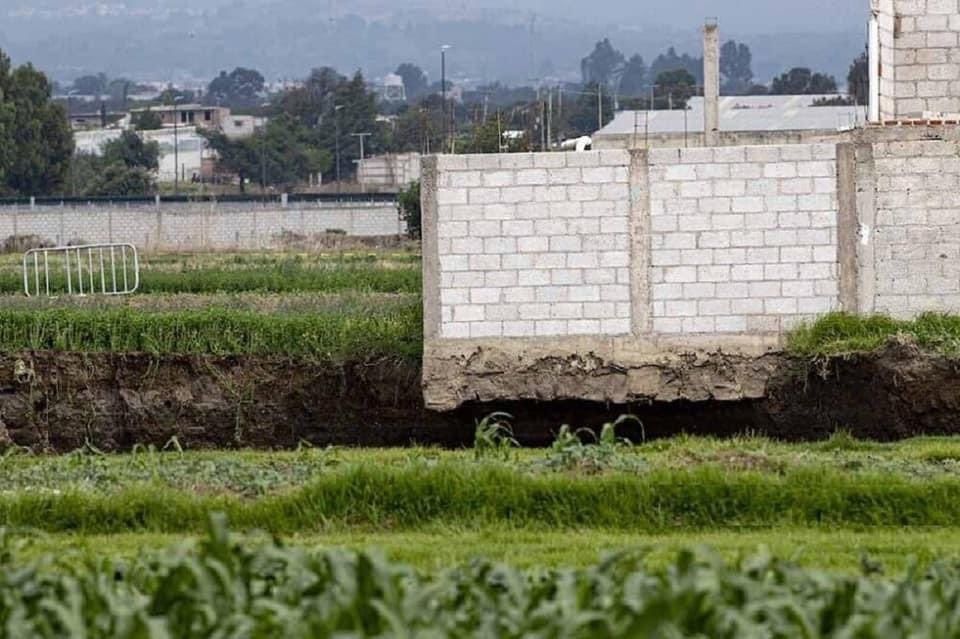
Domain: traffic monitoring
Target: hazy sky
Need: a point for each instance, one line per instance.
(493, 38)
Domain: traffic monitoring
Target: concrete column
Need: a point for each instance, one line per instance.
(711, 83)
(431, 249)
(866, 179)
(641, 320)
(848, 228)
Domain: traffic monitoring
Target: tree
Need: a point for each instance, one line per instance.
(670, 61)
(581, 119)
(126, 166)
(91, 84)
(240, 88)
(283, 154)
(409, 201)
(147, 121)
(633, 82)
(675, 88)
(858, 80)
(736, 72)
(802, 81)
(602, 64)
(36, 141)
(131, 151)
(414, 80)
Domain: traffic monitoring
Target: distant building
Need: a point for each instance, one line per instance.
(749, 119)
(392, 89)
(204, 117)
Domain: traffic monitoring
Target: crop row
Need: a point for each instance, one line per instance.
(286, 278)
(327, 335)
(222, 588)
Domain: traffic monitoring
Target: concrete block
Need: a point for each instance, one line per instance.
(550, 160)
(748, 306)
(551, 328)
(455, 330)
(500, 245)
(519, 329)
(731, 324)
(763, 155)
(544, 194)
(730, 154)
(517, 228)
(667, 325)
(717, 273)
(485, 295)
(681, 308)
(516, 160)
(620, 326)
(565, 243)
(499, 211)
(681, 173)
(531, 177)
(587, 159)
(485, 162)
(484, 196)
(469, 313)
(485, 262)
(780, 170)
(567, 176)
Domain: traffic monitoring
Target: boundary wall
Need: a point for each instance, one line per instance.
(672, 274)
(199, 226)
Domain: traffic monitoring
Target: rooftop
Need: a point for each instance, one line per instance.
(743, 113)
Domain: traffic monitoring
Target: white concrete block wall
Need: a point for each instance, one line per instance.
(198, 226)
(534, 244)
(917, 234)
(743, 239)
(920, 56)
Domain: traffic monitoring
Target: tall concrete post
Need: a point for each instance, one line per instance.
(711, 83)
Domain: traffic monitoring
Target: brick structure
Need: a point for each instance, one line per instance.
(919, 58)
(534, 244)
(742, 238)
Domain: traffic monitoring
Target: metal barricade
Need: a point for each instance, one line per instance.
(92, 269)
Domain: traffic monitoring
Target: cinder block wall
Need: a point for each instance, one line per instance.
(622, 276)
(742, 239)
(173, 226)
(916, 239)
(670, 242)
(920, 57)
(533, 245)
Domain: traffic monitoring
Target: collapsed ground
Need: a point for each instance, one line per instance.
(300, 351)
(270, 349)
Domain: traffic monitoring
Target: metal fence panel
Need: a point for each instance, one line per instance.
(91, 269)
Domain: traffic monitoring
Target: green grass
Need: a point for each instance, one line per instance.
(464, 494)
(841, 333)
(437, 547)
(332, 335)
(287, 278)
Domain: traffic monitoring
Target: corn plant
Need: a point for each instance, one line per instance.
(493, 437)
(606, 452)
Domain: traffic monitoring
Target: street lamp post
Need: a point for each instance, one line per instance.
(443, 88)
(176, 146)
(336, 117)
(362, 137)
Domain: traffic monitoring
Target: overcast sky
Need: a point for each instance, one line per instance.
(493, 37)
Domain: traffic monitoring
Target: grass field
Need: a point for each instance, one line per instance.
(121, 545)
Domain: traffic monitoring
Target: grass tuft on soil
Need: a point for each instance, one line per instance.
(840, 333)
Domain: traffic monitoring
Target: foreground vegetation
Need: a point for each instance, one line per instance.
(222, 588)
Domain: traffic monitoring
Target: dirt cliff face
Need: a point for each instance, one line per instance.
(57, 402)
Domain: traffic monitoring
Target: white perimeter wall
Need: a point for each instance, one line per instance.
(198, 226)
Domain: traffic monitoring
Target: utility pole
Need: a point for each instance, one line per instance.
(599, 105)
(443, 87)
(176, 146)
(362, 137)
(336, 117)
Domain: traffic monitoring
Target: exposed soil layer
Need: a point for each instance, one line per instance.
(62, 401)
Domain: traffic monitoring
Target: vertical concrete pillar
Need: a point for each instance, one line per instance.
(640, 248)
(848, 229)
(711, 82)
(431, 248)
(866, 179)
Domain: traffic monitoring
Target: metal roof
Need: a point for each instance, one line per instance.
(743, 113)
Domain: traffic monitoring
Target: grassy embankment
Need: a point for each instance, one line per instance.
(825, 505)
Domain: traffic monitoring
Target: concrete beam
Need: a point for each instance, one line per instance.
(429, 221)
